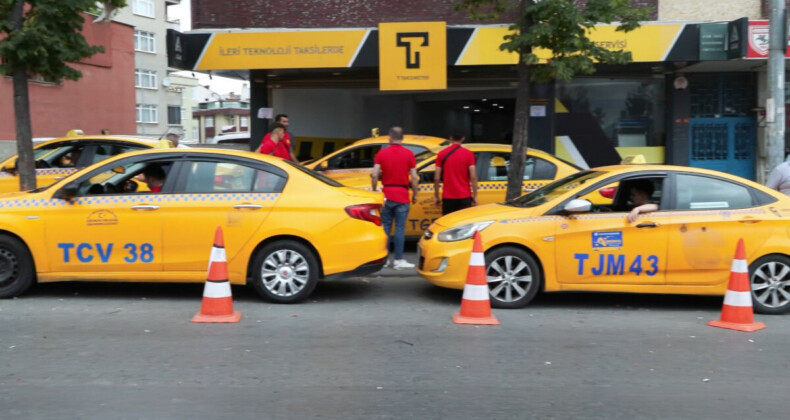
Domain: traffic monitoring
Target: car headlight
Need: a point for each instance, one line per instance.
(463, 231)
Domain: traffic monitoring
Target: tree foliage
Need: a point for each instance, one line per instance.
(41, 37)
(563, 27)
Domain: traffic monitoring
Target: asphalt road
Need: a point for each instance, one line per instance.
(381, 347)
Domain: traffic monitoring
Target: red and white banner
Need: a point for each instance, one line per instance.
(758, 39)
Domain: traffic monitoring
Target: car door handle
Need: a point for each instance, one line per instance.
(247, 206)
(748, 219)
(647, 225)
(58, 178)
(145, 207)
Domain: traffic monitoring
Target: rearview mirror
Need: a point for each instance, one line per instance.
(578, 206)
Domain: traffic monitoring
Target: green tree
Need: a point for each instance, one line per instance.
(562, 27)
(41, 37)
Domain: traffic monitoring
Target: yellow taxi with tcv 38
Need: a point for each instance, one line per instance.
(566, 236)
(98, 224)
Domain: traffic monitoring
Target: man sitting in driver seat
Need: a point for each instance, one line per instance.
(154, 177)
(639, 193)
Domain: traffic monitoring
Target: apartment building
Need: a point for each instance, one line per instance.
(158, 101)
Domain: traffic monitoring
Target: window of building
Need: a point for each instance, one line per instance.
(144, 8)
(145, 79)
(173, 115)
(147, 114)
(210, 122)
(626, 112)
(243, 121)
(195, 130)
(144, 41)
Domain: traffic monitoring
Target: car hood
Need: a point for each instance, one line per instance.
(482, 213)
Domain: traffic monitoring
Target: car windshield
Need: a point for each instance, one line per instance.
(321, 177)
(554, 190)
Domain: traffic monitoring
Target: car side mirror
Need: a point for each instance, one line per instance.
(10, 167)
(68, 192)
(577, 205)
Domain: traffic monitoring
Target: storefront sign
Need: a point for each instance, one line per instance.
(281, 49)
(757, 39)
(737, 38)
(713, 41)
(412, 56)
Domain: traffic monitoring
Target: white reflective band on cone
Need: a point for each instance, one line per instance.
(477, 259)
(216, 290)
(217, 254)
(475, 292)
(739, 266)
(738, 298)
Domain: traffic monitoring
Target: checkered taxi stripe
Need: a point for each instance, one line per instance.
(48, 171)
(141, 198)
(486, 186)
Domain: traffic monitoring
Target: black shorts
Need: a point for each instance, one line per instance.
(450, 205)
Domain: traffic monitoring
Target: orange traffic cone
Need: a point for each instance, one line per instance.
(217, 302)
(475, 305)
(736, 313)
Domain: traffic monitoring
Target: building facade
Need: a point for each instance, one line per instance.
(685, 99)
(102, 98)
(157, 102)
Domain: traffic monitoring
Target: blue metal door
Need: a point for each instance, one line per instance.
(724, 144)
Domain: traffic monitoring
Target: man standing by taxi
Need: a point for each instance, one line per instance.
(274, 143)
(455, 167)
(287, 139)
(396, 167)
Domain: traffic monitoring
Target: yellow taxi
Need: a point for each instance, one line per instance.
(357, 158)
(556, 239)
(96, 224)
(492, 162)
(59, 157)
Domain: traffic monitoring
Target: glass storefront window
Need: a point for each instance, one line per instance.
(630, 112)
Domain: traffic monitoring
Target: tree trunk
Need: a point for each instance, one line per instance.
(515, 176)
(25, 164)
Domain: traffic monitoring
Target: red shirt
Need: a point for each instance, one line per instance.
(280, 149)
(156, 189)
(395, 161)
(455, 171)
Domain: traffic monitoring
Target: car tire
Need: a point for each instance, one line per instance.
(285, 272)
(513, 276)
(17, 273)
(769, 278)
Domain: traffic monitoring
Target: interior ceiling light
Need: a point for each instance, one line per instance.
(484, 99)
(477, 110)
(466, 106)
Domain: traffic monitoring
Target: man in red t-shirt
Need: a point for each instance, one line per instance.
(396, 167)
(455, 166)
(154, 178)
(274, 143)
(286, 139)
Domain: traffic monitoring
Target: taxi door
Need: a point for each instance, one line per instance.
(215, 193)
(104, 232)
(604, 248)
(425, 211)
(711, 215)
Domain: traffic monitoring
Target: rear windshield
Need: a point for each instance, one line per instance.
(317, 175)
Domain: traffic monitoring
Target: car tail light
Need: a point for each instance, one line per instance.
(368, 212)
(608, 192)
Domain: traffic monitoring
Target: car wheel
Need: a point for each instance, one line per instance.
(513, 277)
(770, 282)
(16, 267)
(285, 272)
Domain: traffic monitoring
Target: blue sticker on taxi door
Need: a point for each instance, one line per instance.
(607, 239)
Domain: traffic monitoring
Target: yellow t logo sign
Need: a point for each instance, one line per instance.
(412, 60)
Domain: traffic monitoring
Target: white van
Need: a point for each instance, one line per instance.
(231, 138)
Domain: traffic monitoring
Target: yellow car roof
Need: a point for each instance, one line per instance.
(144, 140)
(427, 141)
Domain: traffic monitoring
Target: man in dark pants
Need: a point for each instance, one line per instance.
(396, 166)
(455, 167)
